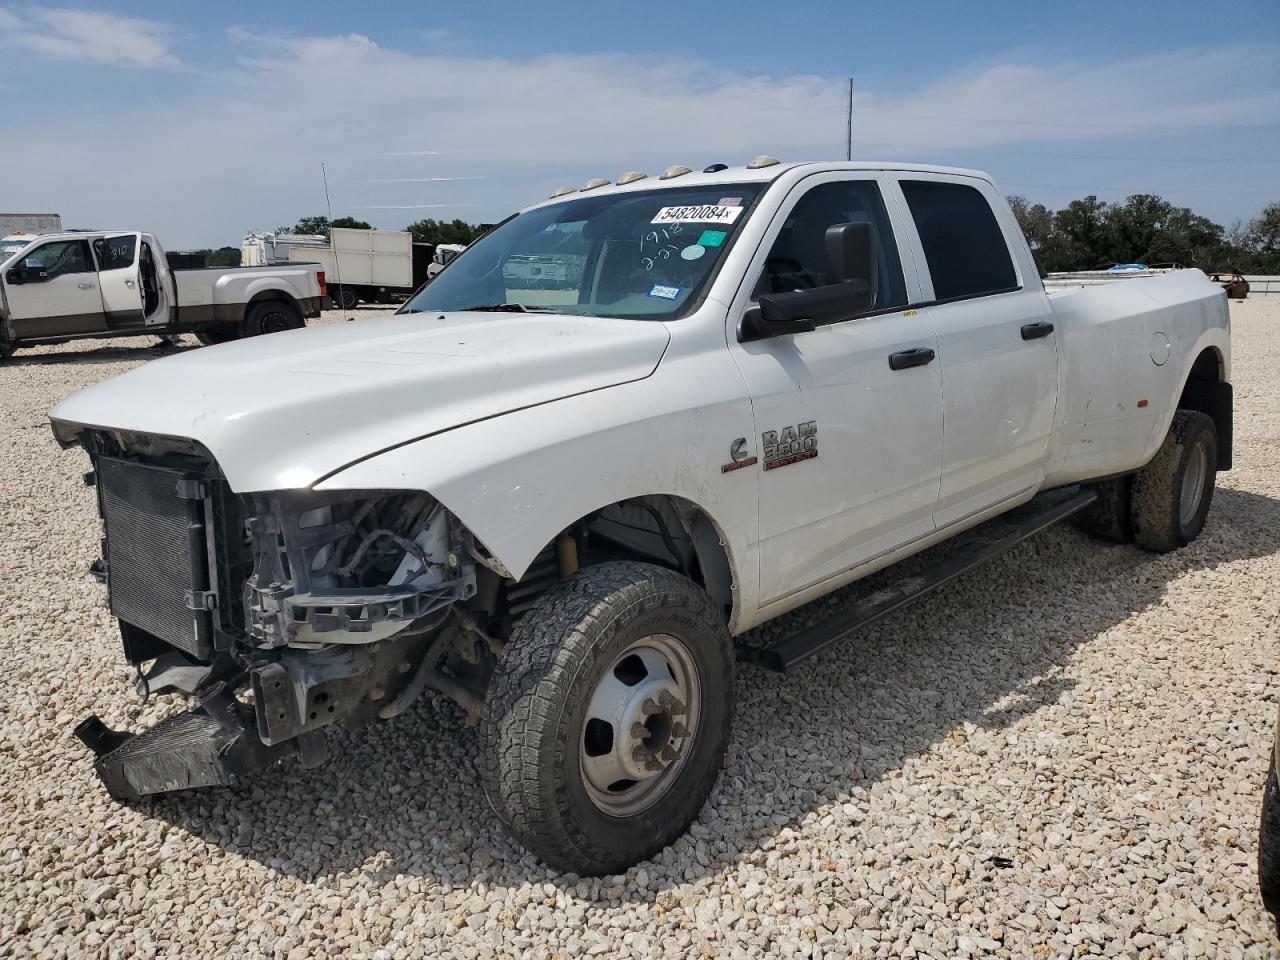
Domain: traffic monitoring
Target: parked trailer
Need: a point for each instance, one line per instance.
(269, 249)
(370, 265)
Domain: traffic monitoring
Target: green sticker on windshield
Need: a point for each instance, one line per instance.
(712, 238)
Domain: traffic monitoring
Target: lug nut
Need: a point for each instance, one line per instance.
(639, 731)
(679, 730)
(649, 708)
(376, 694)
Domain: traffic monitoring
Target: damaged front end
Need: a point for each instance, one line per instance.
(278, 614)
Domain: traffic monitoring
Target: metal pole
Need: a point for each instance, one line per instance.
(337, 267)
(848, 127)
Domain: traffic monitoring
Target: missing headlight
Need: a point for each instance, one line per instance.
(350, 568)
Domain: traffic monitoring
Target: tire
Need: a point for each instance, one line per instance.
(271, 316)
(1171, 495)
(6, 348)
(216, 335)
(593, 647)
(1269, 844)
(1108, 517)
(344, 298)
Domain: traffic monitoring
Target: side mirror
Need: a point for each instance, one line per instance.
(852, 254)
(851, 270)
(16, 276)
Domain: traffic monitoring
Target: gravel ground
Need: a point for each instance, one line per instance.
(1060, 754)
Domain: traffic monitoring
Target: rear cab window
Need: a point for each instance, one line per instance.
(963, 245)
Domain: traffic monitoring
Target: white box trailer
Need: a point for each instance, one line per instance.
(371, 265)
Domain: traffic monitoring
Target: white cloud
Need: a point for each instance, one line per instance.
(246, 152)
(88, 35)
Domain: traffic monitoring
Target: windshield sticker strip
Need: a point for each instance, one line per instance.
(660, 292)
(702, 213)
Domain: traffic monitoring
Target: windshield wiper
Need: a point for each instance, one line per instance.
(505, 308)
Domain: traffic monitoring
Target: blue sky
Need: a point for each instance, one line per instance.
(203, 121)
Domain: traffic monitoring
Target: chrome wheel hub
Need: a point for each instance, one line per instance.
(639, 725)
(1192, 484)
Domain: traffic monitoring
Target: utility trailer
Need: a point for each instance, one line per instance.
(374, 266)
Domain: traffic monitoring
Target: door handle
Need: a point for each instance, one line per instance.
(1034, 331)
(128, 282)
(85, 286)
(915, 357)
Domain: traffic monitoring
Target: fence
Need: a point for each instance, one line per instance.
(1264, 286)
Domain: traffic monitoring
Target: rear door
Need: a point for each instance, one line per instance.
(120, 277)
(997, 345)
(53, 291)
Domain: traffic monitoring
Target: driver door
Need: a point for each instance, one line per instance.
(53, 291)
(849, 442)
(120, 276)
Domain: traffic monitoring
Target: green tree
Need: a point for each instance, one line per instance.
(1149, 229)
(1260, 242)
(320, 225)
(440, 231)
(223, 257)
(1079, 240)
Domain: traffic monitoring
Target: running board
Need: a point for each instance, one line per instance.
(982, 543)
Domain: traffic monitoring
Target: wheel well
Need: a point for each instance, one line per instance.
(265, 295)
(666, 530)
(1207, 392)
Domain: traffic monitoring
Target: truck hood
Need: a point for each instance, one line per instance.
(283, 411)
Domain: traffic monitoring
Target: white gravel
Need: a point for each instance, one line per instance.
(1058, 755)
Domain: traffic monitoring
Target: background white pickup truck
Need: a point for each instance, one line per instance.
(555, 497)
(68, 286)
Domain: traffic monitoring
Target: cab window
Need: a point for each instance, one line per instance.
(115, 253)
(59, 257)
(966, 252)
(798, 258)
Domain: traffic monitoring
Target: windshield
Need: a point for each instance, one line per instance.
(639, 255)
(9, 247)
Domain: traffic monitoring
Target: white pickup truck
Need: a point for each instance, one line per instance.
(557, 503)
(71, 286)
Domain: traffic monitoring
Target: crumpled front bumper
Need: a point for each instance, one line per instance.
(213, 744)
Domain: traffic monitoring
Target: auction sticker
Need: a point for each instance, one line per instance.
(712, 238)
(664, 293)
(730, 201)
(702, 213)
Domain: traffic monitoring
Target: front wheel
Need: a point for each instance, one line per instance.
(1170, 496)
(607, 719)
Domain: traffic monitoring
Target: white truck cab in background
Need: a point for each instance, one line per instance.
(627, 425)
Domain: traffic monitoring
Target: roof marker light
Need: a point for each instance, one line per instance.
(674, 171)
(594, 182)
(631, 176)
(764, 160)
(561, 191)
(715, 168)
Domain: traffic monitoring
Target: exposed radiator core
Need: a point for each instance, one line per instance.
(155, 551)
